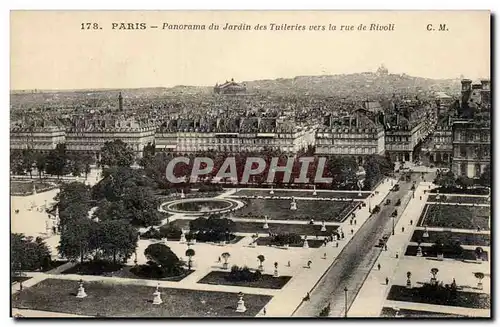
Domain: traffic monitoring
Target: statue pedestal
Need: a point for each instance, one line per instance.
(323, 228)
(81, 292)
(157, 298)
(266, 226)
(271, 192)
(293, 206)
(276, 274)
(241, 306)
(306, 245)
(419, 251)
(183, 238)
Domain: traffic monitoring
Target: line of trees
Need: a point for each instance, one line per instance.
(61, 162)
(112, 239)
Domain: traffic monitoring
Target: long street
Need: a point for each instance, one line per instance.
(356, 260)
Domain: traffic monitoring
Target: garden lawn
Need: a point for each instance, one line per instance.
(303, 194)
(462, 238)
(411, 250)
(266, 241)
(266, 281)
(18, 187)
(18, 279)
(390, 312)
(117, 270)
(463, 299)
(117, 300)
(256, 227)
(306, 210)
(450, 216)
(459, 199)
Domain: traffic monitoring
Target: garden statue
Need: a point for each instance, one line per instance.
(81, 291)
(426, 233)
(183, 236)
(276, 274)
(408, 281)
(272, 190)
(306, 244)
(323, 226)
(266, 226)
(157, 295)
(314, 192)
(241, 304)
(419, 251)
(293, 204)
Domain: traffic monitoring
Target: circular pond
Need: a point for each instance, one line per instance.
(199, 206)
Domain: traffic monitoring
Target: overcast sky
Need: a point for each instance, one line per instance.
(50, 51)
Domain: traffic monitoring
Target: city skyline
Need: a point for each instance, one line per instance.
(74, 59)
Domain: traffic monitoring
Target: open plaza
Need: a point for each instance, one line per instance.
(327, 221)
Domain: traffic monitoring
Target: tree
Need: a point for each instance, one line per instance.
(116, 239)
(141, 207)
(28, 160)
(479, 252)
(225, 256)
(261, 259)
(40, 163)
(190, 254)
(16, 162)
(162, 257)
(57, 161)
(117, 153)
(326, 311)
(485, 178)
(446, 180)
(464, 182)
(79, 241)
(73, 202)
(28, 254)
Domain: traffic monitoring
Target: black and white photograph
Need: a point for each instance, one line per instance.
(250, 164)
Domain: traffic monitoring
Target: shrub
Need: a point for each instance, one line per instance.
(151, 233)
(282, 239)
(398, 203)
(170, 231)
(210, 188)
(376, 209)
(243, 274)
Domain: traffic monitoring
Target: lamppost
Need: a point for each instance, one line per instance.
(345, 298)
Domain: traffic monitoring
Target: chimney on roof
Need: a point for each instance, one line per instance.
(120, 102)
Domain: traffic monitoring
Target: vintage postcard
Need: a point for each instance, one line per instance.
(250, 164)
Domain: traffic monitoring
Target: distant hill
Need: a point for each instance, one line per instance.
(368, 85)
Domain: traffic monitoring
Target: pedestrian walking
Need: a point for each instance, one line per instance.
(337, 244)
(385, 247)
(403, 229)
(355, 222)
(397, 254)
(352, 231)
(264, 311)
(420, 198)
(289, 264)
(219, 260)
(386, 281)
(378, 266)
(411, 222)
